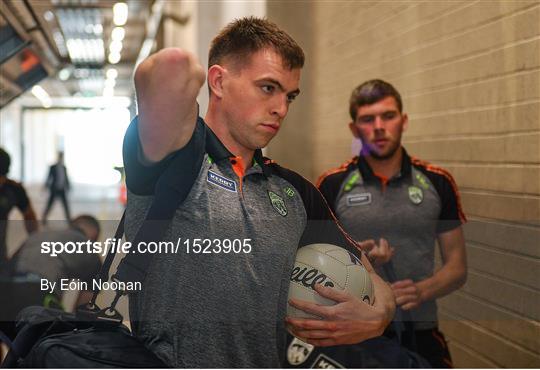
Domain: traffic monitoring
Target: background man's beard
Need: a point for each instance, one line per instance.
(373, 153)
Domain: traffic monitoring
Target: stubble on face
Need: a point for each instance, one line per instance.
(254, 116)
(393, 146)
(380, 127)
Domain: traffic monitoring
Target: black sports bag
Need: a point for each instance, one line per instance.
(51, 338)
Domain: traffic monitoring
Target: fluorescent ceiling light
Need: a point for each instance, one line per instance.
(114, 58)
(108, 92)
(115, 47)
(86, 50)
(64, 74)
(110, 83)
(42, 96)
(112, 73)
(118, 33)
(120, 14)
(98, 29)
(48, 15)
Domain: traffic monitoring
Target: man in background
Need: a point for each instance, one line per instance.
(12, 195)
(29, 265)
(407, 205)
(58, 185)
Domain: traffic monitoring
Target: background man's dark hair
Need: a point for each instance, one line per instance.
(245, 36)
(371, 92)
(5, 161)
(88, 224)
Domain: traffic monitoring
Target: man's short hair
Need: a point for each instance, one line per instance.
(5, 161)
(246, 36)
(371, 92)
(87, 223)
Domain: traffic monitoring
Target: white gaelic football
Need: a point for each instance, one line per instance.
(328, 265)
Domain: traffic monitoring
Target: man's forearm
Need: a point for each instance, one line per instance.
(443, 282)
(384, 297)
(30, 220)
(167, 84)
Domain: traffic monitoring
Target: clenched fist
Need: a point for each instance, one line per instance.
(167, 85)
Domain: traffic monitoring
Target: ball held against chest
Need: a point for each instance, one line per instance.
(331, 266)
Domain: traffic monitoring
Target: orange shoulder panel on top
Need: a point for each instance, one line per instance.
(341, 168)
(441, 171)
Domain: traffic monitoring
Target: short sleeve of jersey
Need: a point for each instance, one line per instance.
(451, 215)
(141, 178)
(22, 200)
(329, 186)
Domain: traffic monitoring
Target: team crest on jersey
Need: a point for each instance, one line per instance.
(298, 352)
(277, 203)
(221, 181)
(325, 362)
(416, 195)
(358, 199)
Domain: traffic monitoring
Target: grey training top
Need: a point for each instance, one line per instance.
(219, 309)
(409, 210)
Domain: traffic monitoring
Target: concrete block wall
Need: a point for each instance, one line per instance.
(469, 73)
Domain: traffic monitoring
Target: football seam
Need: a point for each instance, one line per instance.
(325, 253)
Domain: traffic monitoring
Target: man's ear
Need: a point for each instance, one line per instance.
(354, 130)
(405, 124)
(215, 79)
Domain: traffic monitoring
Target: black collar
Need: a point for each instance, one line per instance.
(367, 172)
(217, 151)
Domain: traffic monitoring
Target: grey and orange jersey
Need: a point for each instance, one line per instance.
(211, 308)
(409, 210)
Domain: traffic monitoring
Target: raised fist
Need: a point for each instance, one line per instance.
(167, 85)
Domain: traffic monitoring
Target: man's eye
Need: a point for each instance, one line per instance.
(267, 88)
(290, 98)
(366, 119)
(389, 115)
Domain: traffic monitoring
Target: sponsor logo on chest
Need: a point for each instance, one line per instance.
(358, 199)
(221, 181)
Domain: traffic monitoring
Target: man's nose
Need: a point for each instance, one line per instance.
(378, 124)
(281, 107)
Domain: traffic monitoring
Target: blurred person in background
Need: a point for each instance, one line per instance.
(29, 265)
(58, 185)
(12, 194)
(83, 266)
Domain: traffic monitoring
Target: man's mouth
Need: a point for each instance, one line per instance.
(272, 127)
